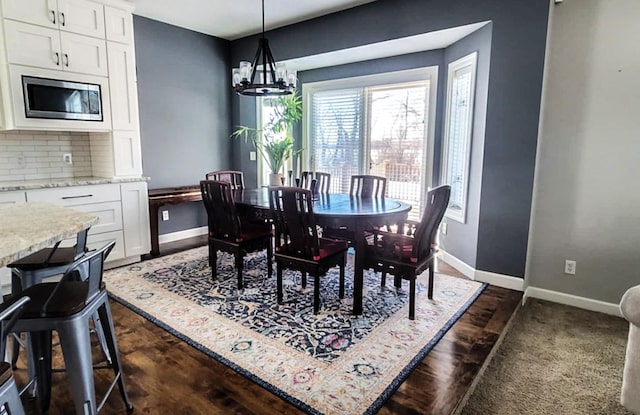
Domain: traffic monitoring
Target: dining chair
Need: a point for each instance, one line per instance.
(9, 394)
(227, 233)
(409, 252)
(368, 186)
(298, 246)
(236, 178)
(322, 181)
(66, 307)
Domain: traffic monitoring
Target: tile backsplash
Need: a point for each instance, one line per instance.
(38, 155)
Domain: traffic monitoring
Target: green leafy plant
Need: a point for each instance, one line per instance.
(275, 140)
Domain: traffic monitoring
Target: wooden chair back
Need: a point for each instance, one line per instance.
(322, 181)
(368, 186)
(217, 197)
(294, 220)
(435, 207)
(236, 178)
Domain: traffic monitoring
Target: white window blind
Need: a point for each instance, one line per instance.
(335, 134)
(457, 140)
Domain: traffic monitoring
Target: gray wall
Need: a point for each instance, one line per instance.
(185, 110)
(513, 98)
(461, 239)
(587, 204)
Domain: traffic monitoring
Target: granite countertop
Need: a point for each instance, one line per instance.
(71, 181)
(28, 227)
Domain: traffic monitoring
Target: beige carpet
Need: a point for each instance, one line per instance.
(555, 360)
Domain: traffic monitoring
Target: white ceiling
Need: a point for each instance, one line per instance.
(233, 19)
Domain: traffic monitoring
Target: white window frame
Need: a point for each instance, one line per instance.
(429, 73)
(468, 61)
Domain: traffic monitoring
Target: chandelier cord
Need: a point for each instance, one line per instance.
(263, 19)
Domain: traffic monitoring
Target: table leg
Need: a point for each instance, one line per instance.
(358, 271)
(153, 222)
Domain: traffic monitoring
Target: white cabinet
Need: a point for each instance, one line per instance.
(49, 48)
(122, 211)
(33, 45)
(83, 54)
(39, 12)
(123, 89)
(135, 215)
(118, 25)
(83, 17)
(12, 197)
(127, 154)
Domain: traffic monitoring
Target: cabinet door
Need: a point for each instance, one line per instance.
(126, 153)
(118, 25)
(82, 17)
(33, 45)
(12, 197)
(40, 12)
(83, 54)
(135, 215)
(123, 87)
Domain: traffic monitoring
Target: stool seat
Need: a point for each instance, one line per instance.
(46, 258)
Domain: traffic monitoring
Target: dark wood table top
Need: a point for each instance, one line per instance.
(330, 204)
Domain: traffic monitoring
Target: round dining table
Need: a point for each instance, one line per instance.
(337, 211)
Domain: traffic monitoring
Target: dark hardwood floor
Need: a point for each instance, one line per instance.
(165, 375)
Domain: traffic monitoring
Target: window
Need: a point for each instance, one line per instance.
(457, 134)
(378, 124)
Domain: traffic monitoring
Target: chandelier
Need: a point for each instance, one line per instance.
(274, 78)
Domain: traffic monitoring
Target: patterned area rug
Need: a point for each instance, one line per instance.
(330, 363)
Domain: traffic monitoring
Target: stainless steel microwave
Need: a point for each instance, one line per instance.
(60, 99)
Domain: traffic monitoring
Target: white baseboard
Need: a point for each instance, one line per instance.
(504, 281)
(573, 300)
(499, 280)
(466, 269)
(187, 233)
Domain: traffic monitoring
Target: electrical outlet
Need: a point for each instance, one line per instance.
(443, 228)
(66, 157)
(570, 267)
(165, 215)
(252, 155)
(21, 161)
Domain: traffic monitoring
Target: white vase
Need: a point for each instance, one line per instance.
(275, 179)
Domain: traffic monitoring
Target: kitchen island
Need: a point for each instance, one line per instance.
(28, 227)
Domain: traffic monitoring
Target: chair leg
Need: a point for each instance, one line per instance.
(97, 324)
(412, 298)
(76, 350)
(239, 266)
(269, 260)
(430, 288)
(213, 262)
(316, 293)
(397, 281)
(341, 288)
(107, 325)
(11, 397)
(304, 280)
(212, 256)
(40, 345)
(383, 279)
(279, 282)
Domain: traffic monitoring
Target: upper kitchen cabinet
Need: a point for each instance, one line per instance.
(83, 17)
(68, 42)
(118, 25)
(51, 49)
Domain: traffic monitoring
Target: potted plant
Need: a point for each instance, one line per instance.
(275, 140)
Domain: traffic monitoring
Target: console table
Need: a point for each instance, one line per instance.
(167, 196)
